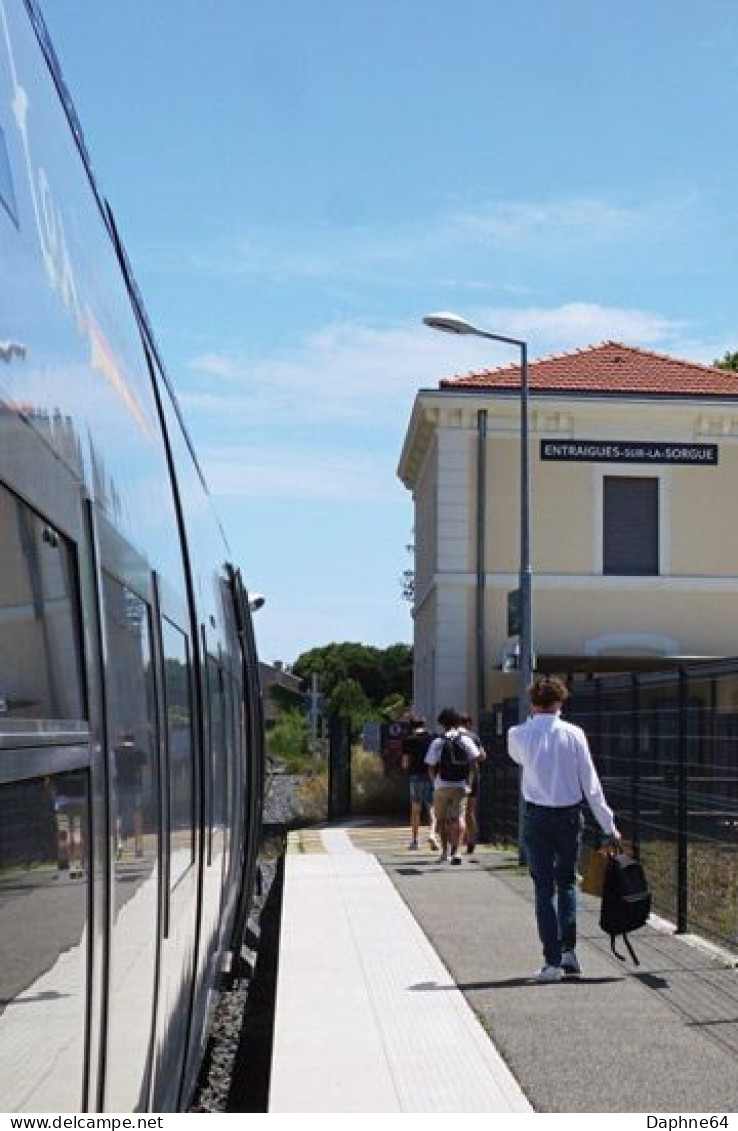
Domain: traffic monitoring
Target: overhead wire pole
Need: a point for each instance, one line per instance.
(455, 324)
(525, 670)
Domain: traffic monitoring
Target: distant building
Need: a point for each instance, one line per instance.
(634, 480)
(276, 675)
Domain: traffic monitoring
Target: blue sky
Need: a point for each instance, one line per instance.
(298, 181)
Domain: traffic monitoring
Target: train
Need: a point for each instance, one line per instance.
(131, 724)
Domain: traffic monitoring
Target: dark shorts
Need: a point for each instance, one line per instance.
(421, 789)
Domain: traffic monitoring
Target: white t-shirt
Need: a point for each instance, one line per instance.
(433, 757)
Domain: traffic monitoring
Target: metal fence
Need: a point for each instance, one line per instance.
(666, 748)
(339, 768)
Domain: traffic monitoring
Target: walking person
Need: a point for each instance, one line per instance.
(414, 749)
(451, 760)
(557, 774)
(470, 827)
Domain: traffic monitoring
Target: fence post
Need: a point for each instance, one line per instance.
(339, 768)
(635, 759)
(682, 807)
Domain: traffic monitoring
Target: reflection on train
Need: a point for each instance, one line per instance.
(130, 716)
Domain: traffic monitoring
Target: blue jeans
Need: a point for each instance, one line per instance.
(552, 843)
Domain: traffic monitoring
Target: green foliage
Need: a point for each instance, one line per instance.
(288, 742)
(393, 706)
(348, 700)
(379, 673)
(728, 361)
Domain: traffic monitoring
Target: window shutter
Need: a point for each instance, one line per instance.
(631, 525)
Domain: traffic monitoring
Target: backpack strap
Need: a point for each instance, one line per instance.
(632, 953)
(621, 957)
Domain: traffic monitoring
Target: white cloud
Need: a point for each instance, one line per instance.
(342, 255)
(350, 372)
(579, 324)
(336, 404)
(342, 371)
(550, 221)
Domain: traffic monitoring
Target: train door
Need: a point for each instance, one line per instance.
(46, 762)
(217, 816)
(134, 825)
(248, 768)
(181, 784)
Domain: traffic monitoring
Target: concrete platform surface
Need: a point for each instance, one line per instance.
(405, 986)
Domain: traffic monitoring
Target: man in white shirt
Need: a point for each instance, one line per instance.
(558, 773)
(452, 762)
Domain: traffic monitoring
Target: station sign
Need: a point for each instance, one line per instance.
(392, 737)
(629, 451)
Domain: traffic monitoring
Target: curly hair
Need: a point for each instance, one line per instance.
(547, 691)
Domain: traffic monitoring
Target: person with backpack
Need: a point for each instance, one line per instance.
(557, 775)
(470, 826)
(414, 749)
(451, 761)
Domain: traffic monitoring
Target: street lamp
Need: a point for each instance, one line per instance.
(454, 324)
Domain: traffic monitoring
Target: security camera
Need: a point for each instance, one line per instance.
(256, 601)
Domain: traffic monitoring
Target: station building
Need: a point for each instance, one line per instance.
(634, 539)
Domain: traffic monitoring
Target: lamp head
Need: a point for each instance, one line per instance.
(449, 323)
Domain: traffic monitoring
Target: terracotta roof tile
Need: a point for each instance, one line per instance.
(608, 368)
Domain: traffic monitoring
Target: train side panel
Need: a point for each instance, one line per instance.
(126, 751)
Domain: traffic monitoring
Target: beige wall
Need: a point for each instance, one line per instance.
(675, 621)
(689, 609)
(425, 531)
(704, 532)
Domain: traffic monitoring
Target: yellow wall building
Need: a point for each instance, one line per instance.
(634, 540)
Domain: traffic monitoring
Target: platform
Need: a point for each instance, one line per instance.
(405, 986)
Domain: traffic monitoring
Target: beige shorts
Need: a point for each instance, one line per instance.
(449, 802)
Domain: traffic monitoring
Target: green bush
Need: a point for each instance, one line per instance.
(288, 742)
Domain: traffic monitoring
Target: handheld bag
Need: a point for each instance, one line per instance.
(626, 900)
(593, 872)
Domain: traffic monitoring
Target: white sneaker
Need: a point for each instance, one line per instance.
(455, 859)
(549, 974)
(434, 842)
(570, 963)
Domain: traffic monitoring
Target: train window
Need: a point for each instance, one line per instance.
(131, 702)
(41, 686)
(178, 697)
(44, 869)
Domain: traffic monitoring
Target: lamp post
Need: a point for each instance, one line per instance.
(454, 324)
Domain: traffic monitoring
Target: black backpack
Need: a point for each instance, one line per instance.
(626, 900)
(454, 763)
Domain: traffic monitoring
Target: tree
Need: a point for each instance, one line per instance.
(728, 361)
(378, 672)
(349, 701)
